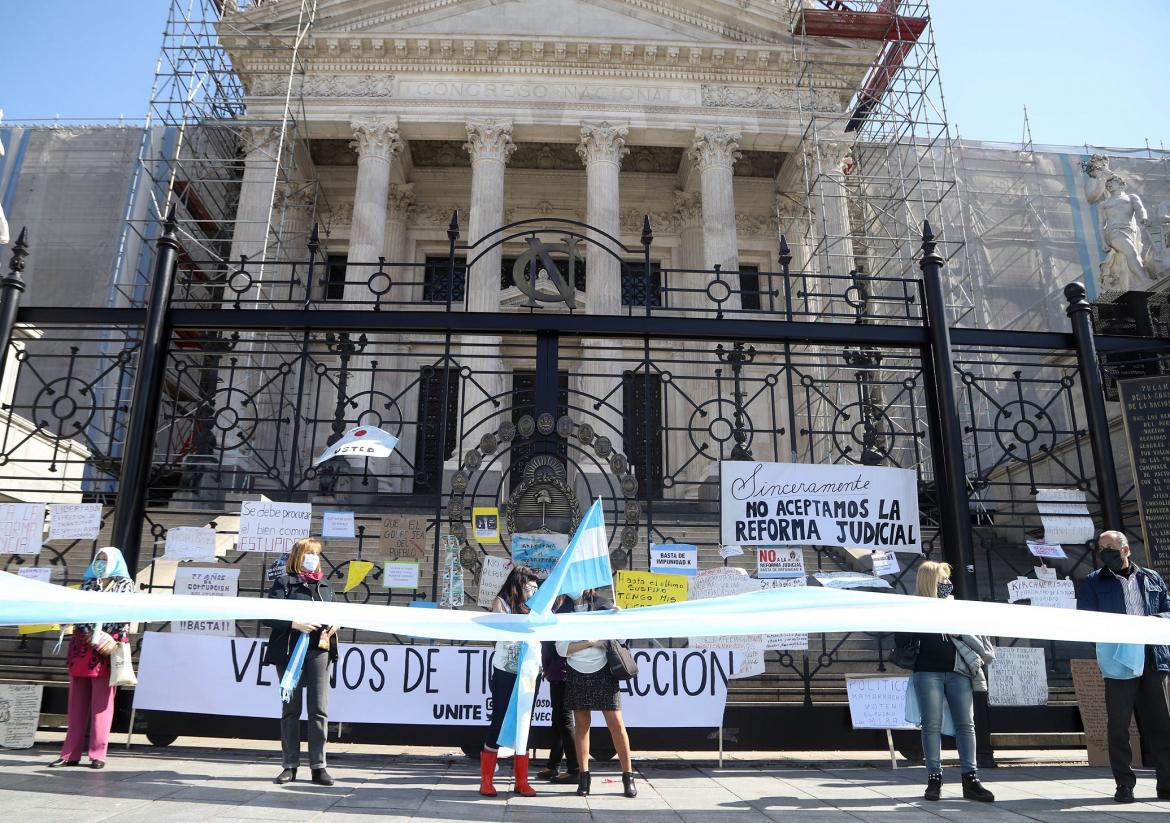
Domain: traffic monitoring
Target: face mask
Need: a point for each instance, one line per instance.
(99, 568)
(310, 562)
(945, 589)
(1112, 559)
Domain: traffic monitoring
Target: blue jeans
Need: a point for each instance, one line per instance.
(931, 688)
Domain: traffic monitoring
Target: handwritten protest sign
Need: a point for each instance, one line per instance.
(1044, 573)
(1065, 516)
(850, 580)
(779, 561)
(1017, 677)
(20, 712)
(201, 582)
(730, 551)
(785, 641)
(22, 525)
(403, 537)
(491, 578)
(189, 543)
(75, 521)
(634, 589)
(271, 527)
(400, 574)
(1054, 594)
(872, 507)
(39, 573)
(337, 524)
(877, 702)
(720, 582)
(885, 563)
(674, 558)
(539, 552)
(1040, 549)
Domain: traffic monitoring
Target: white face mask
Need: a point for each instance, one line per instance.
(310, 562)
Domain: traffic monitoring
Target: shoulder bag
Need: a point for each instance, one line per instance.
(122, 666)
(621, 663)
(904, 654)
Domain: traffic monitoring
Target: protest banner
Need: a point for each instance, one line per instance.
(539, 552)
(75, 521)
(634, 589)
(396, 684)
(1041, 549)
(492, 575)
(400, 574)
(206, 582)
(403, 537)
(779, 561)
(22, 527)
(20, 713)
(1053, 594)
(871, 507)
(674, 558)
(266, 526)
(337, 524)
(1017, 677)
(189, 543)
(486, 524)
(785, 641)
(877, 702)
(1065, 516)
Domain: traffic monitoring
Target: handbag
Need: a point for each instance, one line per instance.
(905, 654)
(621, 663)
(122, 666)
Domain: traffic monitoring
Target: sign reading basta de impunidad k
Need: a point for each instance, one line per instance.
(833, 505)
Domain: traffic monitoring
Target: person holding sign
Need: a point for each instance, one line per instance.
(91, 697)
(1135, 676)
(946, 668)
(518, 588)
(303, 580)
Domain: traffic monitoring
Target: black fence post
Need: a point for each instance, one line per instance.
(1080, 314)
(144, 404)
(950, 473)
(11, 286)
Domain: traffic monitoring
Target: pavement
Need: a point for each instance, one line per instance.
(205, 780)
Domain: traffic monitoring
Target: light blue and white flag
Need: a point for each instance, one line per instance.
(513, 736)
(292, 672)
(584, 565)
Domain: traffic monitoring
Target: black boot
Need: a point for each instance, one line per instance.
(933, 787)
(628, 787)
(287, 776)
(583, 784)
(973, 789)
(322, 777)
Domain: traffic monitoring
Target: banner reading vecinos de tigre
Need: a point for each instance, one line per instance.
(832, 505)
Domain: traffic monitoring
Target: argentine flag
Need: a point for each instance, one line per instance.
(513, 735)
(584, 565)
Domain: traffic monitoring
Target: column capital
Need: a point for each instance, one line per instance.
(400, 200)
(489, 140)
(603, 143)
(688, 205)
(716, 146)
(376, 137)
(259, 138)
(296, 195)
(788, 208)
(834, 155)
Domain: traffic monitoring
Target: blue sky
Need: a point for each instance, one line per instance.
(1089, 71)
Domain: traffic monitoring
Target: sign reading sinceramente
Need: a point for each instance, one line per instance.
(862, 506)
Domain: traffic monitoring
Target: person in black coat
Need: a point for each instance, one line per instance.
(303, 580)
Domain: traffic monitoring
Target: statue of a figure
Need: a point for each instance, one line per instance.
(1121, 214)
(3, 222)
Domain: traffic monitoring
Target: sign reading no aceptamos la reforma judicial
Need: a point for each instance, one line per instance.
(832, 505)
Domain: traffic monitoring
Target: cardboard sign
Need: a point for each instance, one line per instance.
(75, 521)
(1053, 594)
(492, 575)
(486, 524)
(403, 537)
(1044, 573)
(22, 527)
(189, 543)
(20, 713)
(885, 563)
(271, 527)
(1090, 691)
(635, 589)
(674, 558)
(779, 561)
(400, 574)
(1017, 677)
(1065, 516)
(877, 702)
(1040, 549)
(539, 552)
(200, 582)
(872, 507)
(337, 524)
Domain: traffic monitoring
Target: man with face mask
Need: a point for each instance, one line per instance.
(1135, 677)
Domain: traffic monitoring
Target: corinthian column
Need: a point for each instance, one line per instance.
(257, 189)
(715, 152)
(832, 237)
(377, 143)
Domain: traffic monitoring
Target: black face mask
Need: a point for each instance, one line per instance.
(1113, 560)
(945, 589)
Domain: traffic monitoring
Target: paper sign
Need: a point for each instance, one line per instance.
(39, 573)
(355, 573)
(486, 524)
(190, 543)
(20, 713)
(362, 441)
(403, 537)
(730, 551)
(850, 580)
(885, 563)
(634, 589)
(749, 651)
(492, 575)
(783, 582)
(785, 641)
(22, 526)
(75, 521)
(1044, 572)
(212, 582)
(277, 568)
(539, 552)
(721, 582)
(1053, 594)
(674, 558)
(39, 628)
(1046, 549)
(400, 574)
(1017, 677)
(1065, 516)
(337, 524)
(779, 561)
(271, 527)
(877, 702)
(766, 504)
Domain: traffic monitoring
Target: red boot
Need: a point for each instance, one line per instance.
(520, 766)
(487, 769)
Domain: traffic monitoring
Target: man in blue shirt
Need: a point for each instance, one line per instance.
(1123, 587)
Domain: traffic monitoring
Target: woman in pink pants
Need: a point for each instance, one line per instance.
(91, 697)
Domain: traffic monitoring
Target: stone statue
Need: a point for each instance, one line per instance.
(3, 222)
(1121, 214)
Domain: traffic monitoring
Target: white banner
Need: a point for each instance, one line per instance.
(877, 702)
(430, 685)
(810, 504)
(674, 558)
